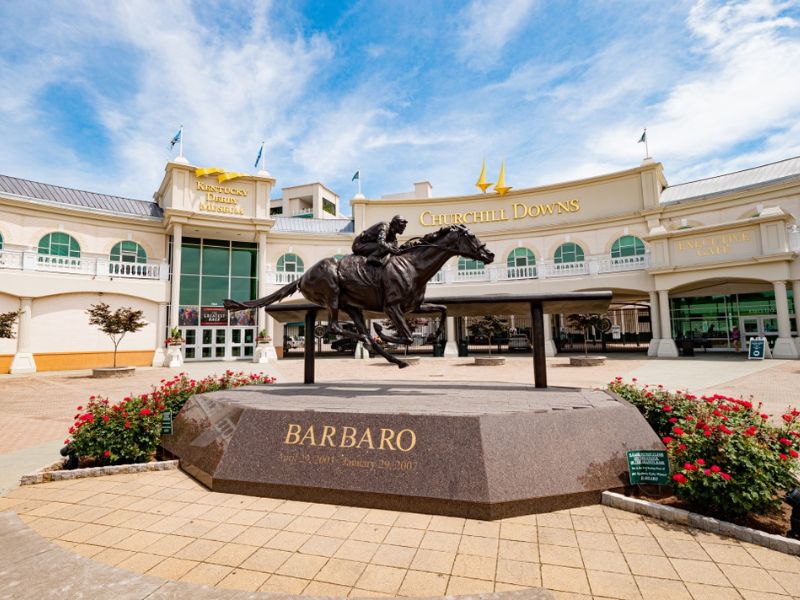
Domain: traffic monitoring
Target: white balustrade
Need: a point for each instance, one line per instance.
(302, 212)
(79, 265)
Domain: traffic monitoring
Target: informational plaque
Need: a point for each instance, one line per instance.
(166, 422)
(648, 466)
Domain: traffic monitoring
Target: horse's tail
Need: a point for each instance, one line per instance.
(285, 291)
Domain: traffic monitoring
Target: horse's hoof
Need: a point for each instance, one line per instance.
(403, 364)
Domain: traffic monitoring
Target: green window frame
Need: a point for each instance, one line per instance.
(521, 257)
(59, 243)
(128, 252)
(568, 252)
(290, 263)
(1, 241)
(470, 264)
(627, 245)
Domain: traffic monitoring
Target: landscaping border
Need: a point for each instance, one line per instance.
(55, 473)
(684, 517)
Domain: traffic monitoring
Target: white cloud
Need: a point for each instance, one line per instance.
(487, 26)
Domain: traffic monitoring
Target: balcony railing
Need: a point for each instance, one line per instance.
(593, 265)
(282, 277)
(302, 212)
(82, 265)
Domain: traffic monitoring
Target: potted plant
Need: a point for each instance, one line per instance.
(7, 321)
(116, 325)
(175, 337)
(263, 337)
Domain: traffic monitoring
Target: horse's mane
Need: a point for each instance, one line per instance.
(433, 236)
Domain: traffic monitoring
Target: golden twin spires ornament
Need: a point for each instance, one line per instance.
(482, 184)
(500, 187)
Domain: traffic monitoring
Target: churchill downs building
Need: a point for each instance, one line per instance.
(694, 267)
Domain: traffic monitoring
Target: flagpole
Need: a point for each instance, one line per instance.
(646, 146)
(263, 157)
(180, 150)
(359, 182)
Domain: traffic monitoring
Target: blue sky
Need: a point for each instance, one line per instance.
(92, 92)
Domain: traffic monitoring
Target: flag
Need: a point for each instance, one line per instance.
(175, 139)
(258, 158)
(356, 175)
(643, 138)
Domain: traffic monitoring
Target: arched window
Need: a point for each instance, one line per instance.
(290, 263)
(128, 252)
(521, 257)
(59, 244)
(627, 245)
(521, 264)
(469, 268)
(568, 253)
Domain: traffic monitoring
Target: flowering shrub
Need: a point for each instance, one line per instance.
(130, 430)
(725, 454)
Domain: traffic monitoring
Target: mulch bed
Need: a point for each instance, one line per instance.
(777, 523)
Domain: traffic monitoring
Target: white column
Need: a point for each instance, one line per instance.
(655, 323)
(796, 293)
(23, 359)
(666, 345)
(549, 344)
(784, 346)
(264, 352)
(161, 337)
(177, 237)
(451, 347)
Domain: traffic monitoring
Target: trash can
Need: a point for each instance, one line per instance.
(438, 349)
(687, 348)
(462, 348)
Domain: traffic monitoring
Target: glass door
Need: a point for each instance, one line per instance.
(243, 342)
(762, 326)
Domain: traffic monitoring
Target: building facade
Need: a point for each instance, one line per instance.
(707, 263)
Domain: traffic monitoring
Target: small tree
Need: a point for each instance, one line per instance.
(489, 326)
(7, 321)
(585, 322)
(115, 324)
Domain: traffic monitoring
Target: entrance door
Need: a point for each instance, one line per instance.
(760, 326)
(243, 342)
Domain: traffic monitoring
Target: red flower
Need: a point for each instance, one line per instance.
(690, 467)
(764, 416)
(725, 476)
(677, 431)
(794, 453)
(707, 433)
(785, 442)
(784, 457)
(66, 441)
(715, 469)
(145, 412)
(107, 453)
(127, 425)
(707, 471)
(106, 418)
(79, 408)
(666, 408)
(673, 420)
(700, 462)
(681, 446)
(666, 439)
(680, 478)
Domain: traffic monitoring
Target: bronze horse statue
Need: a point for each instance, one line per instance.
(397, 288)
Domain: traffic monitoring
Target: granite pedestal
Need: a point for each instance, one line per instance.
(484, 451)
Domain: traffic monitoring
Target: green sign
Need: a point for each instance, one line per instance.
(648, 466)
(166, 422)
(756, 348)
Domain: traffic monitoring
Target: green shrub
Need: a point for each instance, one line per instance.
(726, 456)
(130, 430)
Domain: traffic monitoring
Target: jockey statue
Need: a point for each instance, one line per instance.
(380, 239)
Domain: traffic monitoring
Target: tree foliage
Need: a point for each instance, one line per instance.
(7, 321)
(585, 322)
(489, 326)
(115, 324)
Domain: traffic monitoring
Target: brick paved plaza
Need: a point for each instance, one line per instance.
(165, 524)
